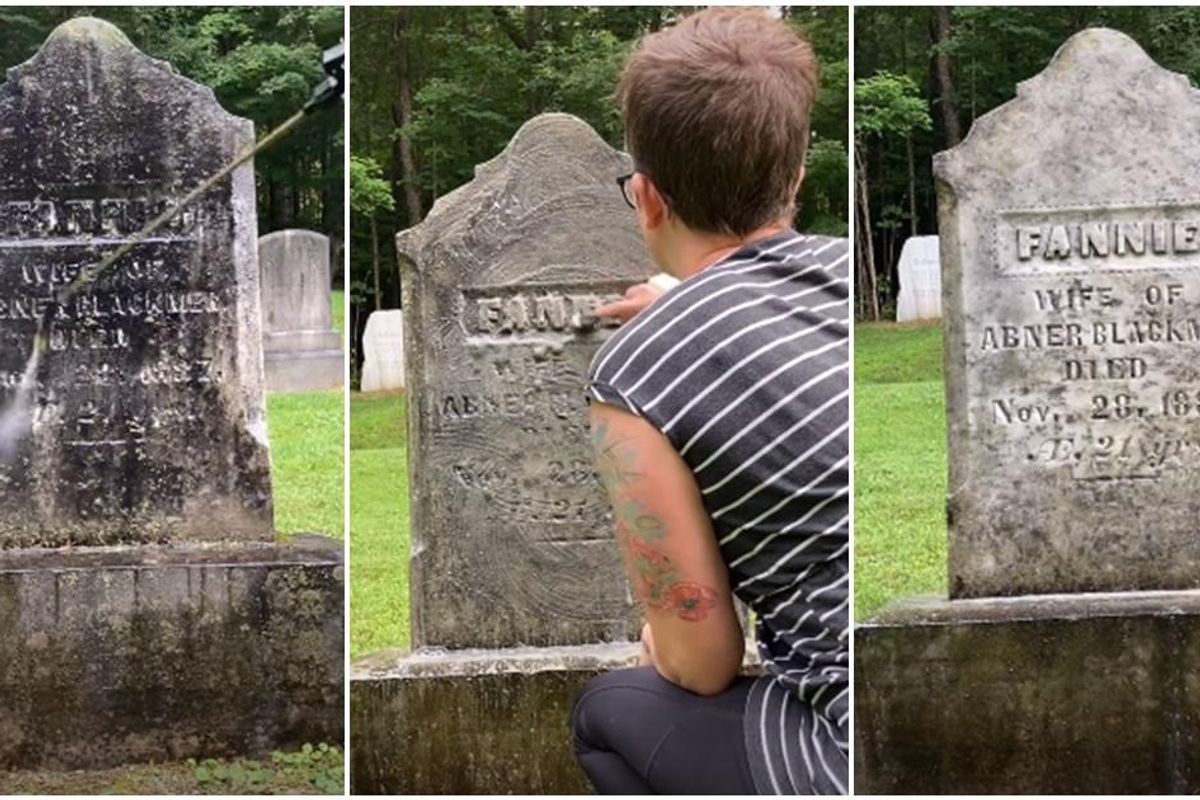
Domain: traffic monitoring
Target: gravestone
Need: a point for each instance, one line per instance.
(1073, 331)
(518, 592)
(140, 426)
(144, 418)
(301, 349)
(1070, 247)
(920, 280)
(383, 351)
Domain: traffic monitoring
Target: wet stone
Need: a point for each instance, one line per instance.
(143, 418)
(1070, 247)
(512, 536)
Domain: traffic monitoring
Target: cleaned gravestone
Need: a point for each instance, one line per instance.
(144, 419)
(1071, 265)
(920, 280)
(383, 351)
(512, 538)
(301, 349)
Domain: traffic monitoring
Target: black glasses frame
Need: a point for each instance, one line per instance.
(623, 182)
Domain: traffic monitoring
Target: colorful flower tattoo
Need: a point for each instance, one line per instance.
(655, 577)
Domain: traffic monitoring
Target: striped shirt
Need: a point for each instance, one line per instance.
(744, 367)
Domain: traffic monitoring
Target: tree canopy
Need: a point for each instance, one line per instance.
(261, 62)
(924, 74)
(438, 90)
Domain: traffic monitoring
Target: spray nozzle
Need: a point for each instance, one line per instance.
(334, 62)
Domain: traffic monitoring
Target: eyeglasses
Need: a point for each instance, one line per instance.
(626, 189)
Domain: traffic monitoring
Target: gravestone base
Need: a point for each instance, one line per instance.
(118, 655)
(472, 721)
(312, 371)
(1045, 694)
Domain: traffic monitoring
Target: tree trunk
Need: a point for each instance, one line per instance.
(375, 262)
(941, 69)
(912, 187)
(408, 193)
(868, 282)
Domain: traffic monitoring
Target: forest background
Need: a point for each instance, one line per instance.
(922, 77)
(436, 91)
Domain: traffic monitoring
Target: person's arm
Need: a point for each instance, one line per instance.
(694, 638)
(638, 297)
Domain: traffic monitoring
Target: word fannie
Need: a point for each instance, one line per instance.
(1104, 239)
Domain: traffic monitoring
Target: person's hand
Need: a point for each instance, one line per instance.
(646, 659)
(637, 297)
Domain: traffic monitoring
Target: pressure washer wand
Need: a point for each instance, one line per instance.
(328, 90)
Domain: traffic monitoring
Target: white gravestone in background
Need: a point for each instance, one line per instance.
(920, 280)
(383, 351)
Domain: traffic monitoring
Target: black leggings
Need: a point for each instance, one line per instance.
(637, 733)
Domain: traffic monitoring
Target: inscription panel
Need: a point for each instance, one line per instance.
(513, 540)
(1072, 298)
(139, 416)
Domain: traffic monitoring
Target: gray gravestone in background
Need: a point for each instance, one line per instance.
(383, 351)
(147, 420)
(512, 539)
(920, 280)
(1070, 227)
(301, 349)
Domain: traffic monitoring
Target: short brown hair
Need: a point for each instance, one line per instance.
(716, 114)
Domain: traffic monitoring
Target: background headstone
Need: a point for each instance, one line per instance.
(920, 280)
(147, 420)
(301, 349)
(1070, 225)
(383, 351)
(512, 537)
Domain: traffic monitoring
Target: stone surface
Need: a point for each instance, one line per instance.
(146, 423)
(1070, 241)
(512, 542)
(383, 351)
(1082, 693)
(302, 351)
(128, 654)
(920, 280)
(474, 722)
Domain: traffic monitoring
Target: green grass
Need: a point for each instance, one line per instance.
(379, 523)
(900, 464)
(307, 434)
(339, 311)
(889, 353)
(309, 771)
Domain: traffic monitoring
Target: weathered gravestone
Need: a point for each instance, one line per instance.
(141, 427)
(383, 351)
(920, 280)
(1070, 233)
(513, 554)
(146, 422)
(302, 351)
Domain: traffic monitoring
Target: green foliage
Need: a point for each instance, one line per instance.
(889, 105)
(261, 61)
(321, 768)
(369, 192)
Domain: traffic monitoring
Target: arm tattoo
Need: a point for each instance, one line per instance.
(655, 577)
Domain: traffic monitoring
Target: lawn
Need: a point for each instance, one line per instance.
(307, 449)
(308, 431)
(379, 541)
(900, 464)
